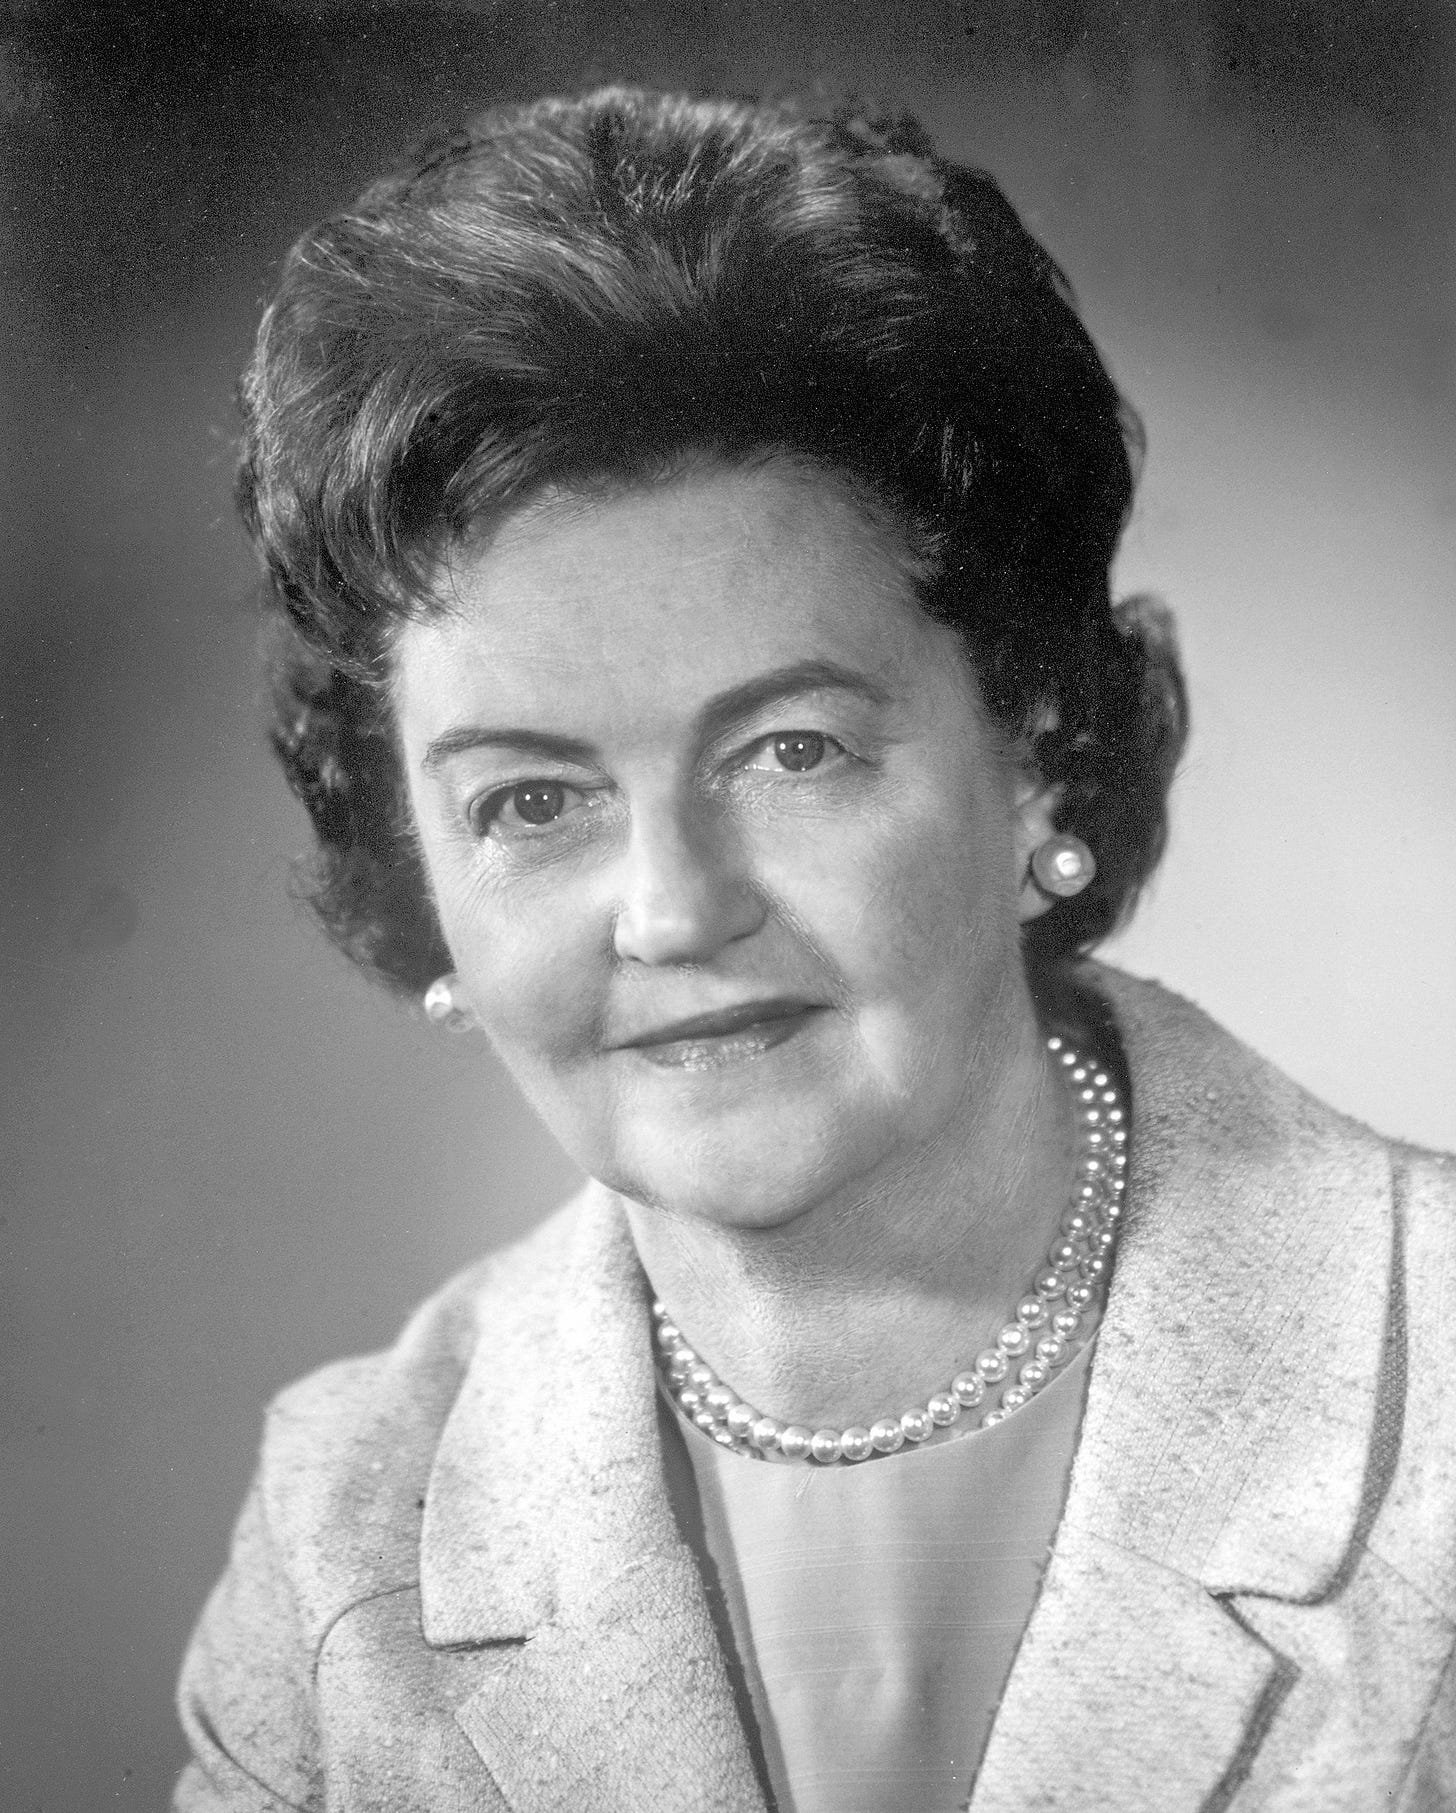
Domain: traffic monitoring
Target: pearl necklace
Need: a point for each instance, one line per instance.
(1062, 1302)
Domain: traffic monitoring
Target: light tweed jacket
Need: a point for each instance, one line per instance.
(453, 1589)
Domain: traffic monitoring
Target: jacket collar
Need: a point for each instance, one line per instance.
(548, 1533)
(1223, 1458)
(546, 1480)
(1223, 1452)
(1230, 1414)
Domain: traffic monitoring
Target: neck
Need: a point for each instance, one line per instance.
(867, 1302)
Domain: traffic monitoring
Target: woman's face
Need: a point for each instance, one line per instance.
(718, 838)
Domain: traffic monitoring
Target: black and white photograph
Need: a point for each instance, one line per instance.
(730, 895)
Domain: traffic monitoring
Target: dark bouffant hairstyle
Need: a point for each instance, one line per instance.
(618, 286)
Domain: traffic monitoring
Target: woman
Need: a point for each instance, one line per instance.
(970, 1377)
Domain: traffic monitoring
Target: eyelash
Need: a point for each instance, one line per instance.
(482, 814)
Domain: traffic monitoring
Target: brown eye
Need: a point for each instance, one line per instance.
(799, 749)
(538, 802)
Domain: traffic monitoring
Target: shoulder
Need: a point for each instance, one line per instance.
(1193, 1075)
(347, 1451)
(1415, 1532)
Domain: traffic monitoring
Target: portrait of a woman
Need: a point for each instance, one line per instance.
(970, 1376)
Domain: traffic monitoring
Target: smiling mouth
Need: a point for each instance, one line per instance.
(708, 1041)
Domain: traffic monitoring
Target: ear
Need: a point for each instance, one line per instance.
(1034, 806)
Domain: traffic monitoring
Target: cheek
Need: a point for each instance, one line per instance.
(532, 969)
(903, 902)
(539, 1000)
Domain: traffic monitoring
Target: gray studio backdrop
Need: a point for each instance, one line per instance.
(224, 1160)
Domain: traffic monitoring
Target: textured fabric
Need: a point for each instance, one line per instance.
(877, 1609)
(446, 1592)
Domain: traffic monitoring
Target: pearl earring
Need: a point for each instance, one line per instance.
(441, 1006)
(1062, 865)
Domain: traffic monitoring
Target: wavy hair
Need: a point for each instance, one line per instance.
(613, 286)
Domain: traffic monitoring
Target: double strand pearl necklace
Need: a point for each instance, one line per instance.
(1050, 1324)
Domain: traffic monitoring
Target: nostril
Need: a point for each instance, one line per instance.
(680, 903)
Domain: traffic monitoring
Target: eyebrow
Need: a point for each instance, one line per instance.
(717, 716)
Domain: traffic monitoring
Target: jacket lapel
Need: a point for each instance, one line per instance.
(1225, 1442)
(549, 1535)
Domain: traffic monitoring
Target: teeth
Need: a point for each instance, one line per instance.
(728, 1025)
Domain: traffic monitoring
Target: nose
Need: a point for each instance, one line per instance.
(685, 888)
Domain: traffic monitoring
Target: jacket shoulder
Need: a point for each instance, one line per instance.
(1415, 1531)
(347, 1450)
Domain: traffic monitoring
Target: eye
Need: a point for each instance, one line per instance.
(793, 750)
(526, 804)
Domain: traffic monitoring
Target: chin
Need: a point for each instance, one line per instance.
(749, 1182)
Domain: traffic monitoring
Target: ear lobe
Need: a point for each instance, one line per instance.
(1034, 806)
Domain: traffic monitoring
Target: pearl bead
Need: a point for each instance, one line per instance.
(1076, 1221)
(741, 1418)
(722, 1437)
(765, 1433)
(1066, 1322)
(1050, 1349)
(991, 1364)
(1079, 1295)
(705, 1420)
(719, 1397)
(681, 1363)
(659, 1308)
(1031, 1312)
(702, 1376)
(690, 1399)
(1048, 1283)
(668, 1334)
(992, 1417)
(943, 1409)
(1079, 1074)
(1063, 1254)
(916, 1424)
(856, 1444)
(1034, 1374)
(1054, 1043)
(1015, 1397)
(887, 1435)
(1013, 1339)
(969, 1388)
(824, 1445)
(796, 1441)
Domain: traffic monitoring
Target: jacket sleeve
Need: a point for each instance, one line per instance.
(246, 1693)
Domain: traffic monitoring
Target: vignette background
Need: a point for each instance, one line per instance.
(224, 1159)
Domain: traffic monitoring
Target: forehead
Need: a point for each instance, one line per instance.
(670, 592)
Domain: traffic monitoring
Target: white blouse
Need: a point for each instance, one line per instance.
(877, 1609)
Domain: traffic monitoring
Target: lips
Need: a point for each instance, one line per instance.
(697, 1029)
